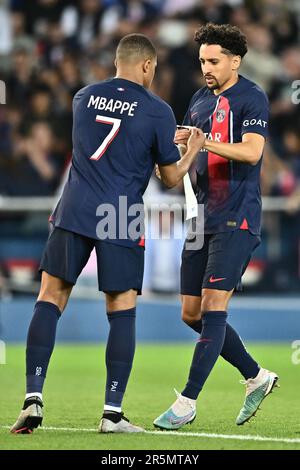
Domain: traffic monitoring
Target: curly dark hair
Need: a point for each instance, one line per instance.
(229, 37)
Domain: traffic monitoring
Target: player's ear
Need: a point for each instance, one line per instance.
(236, 62)
(146, 66)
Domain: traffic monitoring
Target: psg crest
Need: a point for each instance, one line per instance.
(221, 113)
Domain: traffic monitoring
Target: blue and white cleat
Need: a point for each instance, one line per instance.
(257, 390)
(183, 411)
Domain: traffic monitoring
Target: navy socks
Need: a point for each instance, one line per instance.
(119, 351)
(206, 352)
(119, 355)
(234, 351)
(40, 344)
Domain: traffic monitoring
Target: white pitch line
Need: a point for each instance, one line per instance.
(239, 437)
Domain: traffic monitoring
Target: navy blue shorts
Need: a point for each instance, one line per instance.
(119, 268)
(219, 264)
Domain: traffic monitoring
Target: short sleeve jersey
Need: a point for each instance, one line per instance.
(120, 130)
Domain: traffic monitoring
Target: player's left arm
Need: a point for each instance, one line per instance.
(254, 130)
(248, 151)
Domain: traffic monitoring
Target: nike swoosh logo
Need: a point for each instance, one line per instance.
(181, 420)
(217, 279)
(194, 114)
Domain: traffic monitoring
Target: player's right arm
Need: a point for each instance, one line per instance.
(172, 163)
(171, 175)
(182, 136)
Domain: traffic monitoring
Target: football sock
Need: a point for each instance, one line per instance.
(116, 409)
(119, 356)
(234, 351)
(40, 344)
(206, 352)
(34, 394)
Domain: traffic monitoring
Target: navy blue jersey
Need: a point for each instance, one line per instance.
(120, 130)
(230, 191)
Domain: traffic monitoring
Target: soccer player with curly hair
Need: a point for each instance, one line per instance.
(233, 113)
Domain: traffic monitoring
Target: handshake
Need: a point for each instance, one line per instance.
(189, 138)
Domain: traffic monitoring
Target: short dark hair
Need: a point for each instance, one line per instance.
(135, 47)
(229, 37)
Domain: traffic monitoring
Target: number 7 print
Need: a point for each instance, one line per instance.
(116, 123)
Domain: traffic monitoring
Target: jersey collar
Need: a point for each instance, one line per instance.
(233, 88)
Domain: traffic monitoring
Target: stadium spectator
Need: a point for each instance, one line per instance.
(35, 158)
(260, 63)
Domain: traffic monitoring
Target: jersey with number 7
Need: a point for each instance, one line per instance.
(120, 130)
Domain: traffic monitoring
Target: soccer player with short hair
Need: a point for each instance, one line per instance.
(233, 113)
(120, 131)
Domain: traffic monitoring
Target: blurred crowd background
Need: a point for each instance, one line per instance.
(49, 49)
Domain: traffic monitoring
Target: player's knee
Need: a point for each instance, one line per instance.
(211, 304)
(55, 291)
(189, 316)
(57, 298)
(118, 301)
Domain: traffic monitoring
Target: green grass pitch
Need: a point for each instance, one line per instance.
(74, 394)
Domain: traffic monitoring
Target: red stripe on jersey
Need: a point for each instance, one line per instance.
(142, 241)
(244, 225)
(218, 167)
